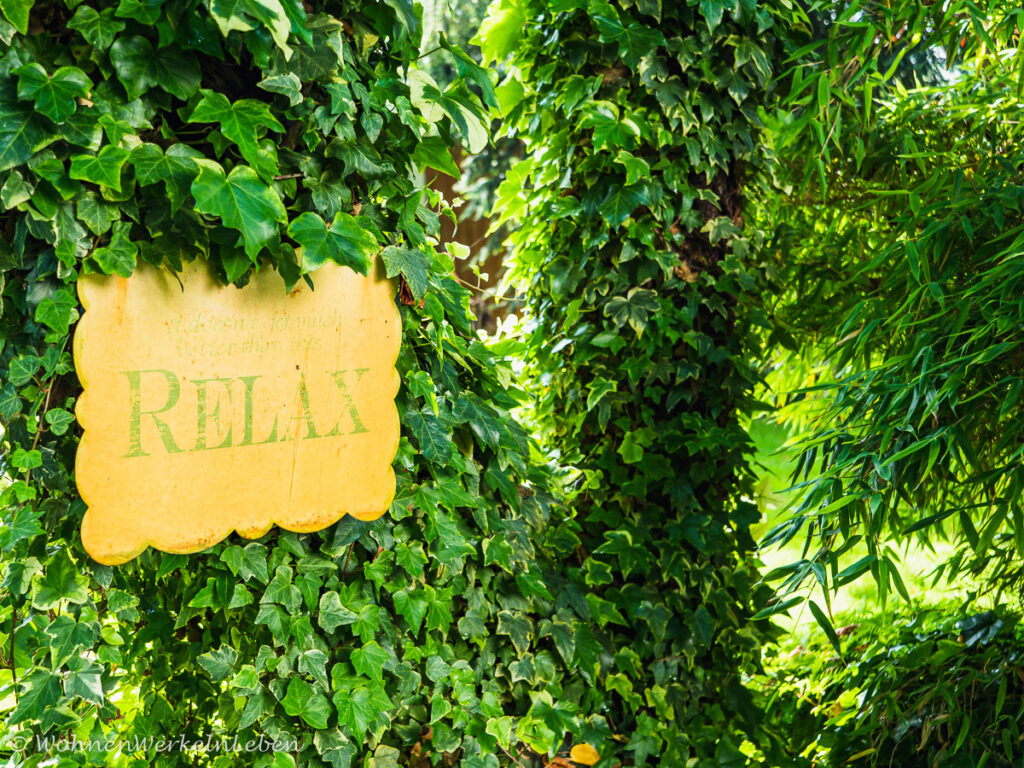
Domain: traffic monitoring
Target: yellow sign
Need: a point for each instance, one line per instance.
(210, 409)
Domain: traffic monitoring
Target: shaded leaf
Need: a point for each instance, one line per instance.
(242, 201)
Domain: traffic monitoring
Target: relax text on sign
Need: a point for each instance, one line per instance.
(209, 409)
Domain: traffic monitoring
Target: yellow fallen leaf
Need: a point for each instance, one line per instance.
(584, 753)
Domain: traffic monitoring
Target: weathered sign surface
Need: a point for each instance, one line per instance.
(209, 409)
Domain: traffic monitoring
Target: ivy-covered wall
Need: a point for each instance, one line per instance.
(643, 327)
(239, 132)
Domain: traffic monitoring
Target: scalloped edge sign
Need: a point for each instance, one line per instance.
(209, 409)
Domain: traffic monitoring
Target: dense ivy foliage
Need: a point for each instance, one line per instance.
(642, 325)
(270, 135)
(925, 686)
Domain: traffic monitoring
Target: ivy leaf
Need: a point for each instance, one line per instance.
(384, 757)
(70, 235)
(405, 13)
(103, 168)
(146, 11)
(140, 67)
(411, 263)
(434, 439)
(23, 459)
(634, 40)
(610, 130)
(275, 618)
(60, 581)
(412, 558)
(243, 122)
(247, 15)
(498, 551)
(10, 401)
(356, 710)
(175, 168)
(465, 113)
(86, 683)
(720, 228)
(369, 660)
(712, 11)
(334, 748)
(59, 420)
(302, 701)
(68, 637)
(437, 669)
(56, 310)
(287, 84)
(20, 573)
(621, 202)
(598, 389)
(433, 152)
(345, 242)
(132, 57)
(501, 729)
(22, 369)
(605, 611)
(21, 134)
(15, 190)
(98, 28)
(509, 95)
(54, 95)
(501, 30)
(703, 626)
(634, 308)
(332, 613)
(281, 590)
(218, 663)
(120, 255)
(176, 71)
(359, 707)
(636, 167)
(95, 213)
(517, 627)
(240, 597)
(565, 640)
(470, 70)
(412, 606)
(250, 562)
(314, 664)
(470, 409)
(17, 12)
(41, 692)
(242, 201)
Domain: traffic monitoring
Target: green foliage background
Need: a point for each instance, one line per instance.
(920, 685)
(898, 250)
(704, 183)
(235, 132)
(643, 319)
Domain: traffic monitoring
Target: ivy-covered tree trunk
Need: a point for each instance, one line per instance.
(642, 328)
(270, 135)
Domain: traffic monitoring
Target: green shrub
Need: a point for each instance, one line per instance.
(918, 687)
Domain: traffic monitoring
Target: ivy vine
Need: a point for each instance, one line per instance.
(642, 282)
(268, 135)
